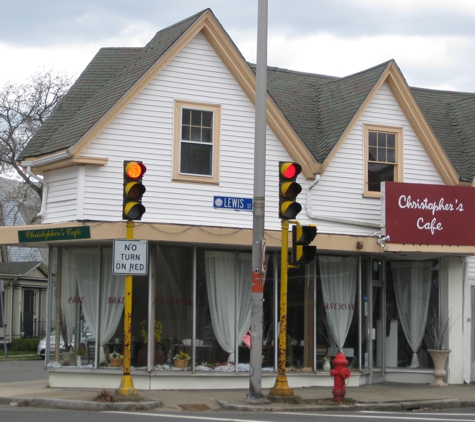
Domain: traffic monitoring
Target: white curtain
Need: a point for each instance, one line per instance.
(112, 286)
(228, 282)
(412, 288)
(68, 290)
(338, 276)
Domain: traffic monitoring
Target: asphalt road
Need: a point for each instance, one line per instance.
(22, 370)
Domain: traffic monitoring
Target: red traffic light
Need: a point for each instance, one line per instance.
(290, 170)
(289, 189)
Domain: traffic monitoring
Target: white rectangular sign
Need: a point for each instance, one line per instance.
(130, 257)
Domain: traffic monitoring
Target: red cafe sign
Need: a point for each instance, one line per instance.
(428, 214)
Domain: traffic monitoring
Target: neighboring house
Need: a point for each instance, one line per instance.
(390, 255)
(24, 299)
(19, 206)
(22, 270)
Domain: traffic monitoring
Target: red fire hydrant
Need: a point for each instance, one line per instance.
(339, 374)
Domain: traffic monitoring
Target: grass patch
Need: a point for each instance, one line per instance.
(18, 355)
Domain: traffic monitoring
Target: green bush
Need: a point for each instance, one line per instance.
(24, 344)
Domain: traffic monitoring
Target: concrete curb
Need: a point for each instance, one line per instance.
(433, 404)
(225, 405)
(80, 405)
(382, 407)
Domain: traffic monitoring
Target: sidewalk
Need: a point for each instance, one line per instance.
(385, 397)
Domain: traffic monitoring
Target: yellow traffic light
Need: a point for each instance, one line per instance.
(302, 252)
(288, 190)
(132, 208)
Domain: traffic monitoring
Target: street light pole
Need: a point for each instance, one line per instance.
(258, 252)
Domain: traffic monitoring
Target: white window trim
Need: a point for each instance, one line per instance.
(399, 167)
(216, 109)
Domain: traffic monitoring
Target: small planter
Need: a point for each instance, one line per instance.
(439, 357)
(180, 363)
(116, 362)
(69, 357)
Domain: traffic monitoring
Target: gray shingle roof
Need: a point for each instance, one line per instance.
(108, 77)
(318, 107)
(451, 116)
(18, 268)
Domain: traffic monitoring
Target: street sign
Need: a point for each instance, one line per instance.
(229, 202)
(130, 257)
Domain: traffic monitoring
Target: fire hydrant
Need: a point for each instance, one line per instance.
(339, 374)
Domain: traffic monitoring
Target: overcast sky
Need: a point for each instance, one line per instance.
(432, 41)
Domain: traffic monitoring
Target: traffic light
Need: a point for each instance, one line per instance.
(288, 190)
(132, 208)
(302, 236)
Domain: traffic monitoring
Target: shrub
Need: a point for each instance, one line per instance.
(24, 344)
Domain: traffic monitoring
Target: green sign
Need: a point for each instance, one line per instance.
(47, 235)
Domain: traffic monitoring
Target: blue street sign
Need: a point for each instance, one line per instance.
(240, 204)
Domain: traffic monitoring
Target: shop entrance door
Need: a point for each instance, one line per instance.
(373, 362)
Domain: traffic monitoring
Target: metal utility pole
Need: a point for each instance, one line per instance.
(258, 243)
(126, 387)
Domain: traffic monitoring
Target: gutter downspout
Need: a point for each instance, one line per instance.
(313, 216)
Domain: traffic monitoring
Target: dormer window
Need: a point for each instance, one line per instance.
(383, 157)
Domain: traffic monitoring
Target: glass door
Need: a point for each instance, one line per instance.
(376, 322)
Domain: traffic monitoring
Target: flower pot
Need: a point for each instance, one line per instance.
(439, 357)
(78, 360)
(180, 363)
(159, 358)
(115, 362)
(69, 357)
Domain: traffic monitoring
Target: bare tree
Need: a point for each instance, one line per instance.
(23, 109)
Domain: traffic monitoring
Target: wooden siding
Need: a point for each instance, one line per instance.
(62, 204)
(339, 194)
(144, 131)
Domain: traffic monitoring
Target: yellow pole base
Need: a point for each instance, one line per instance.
(281, 387)
(126, 387)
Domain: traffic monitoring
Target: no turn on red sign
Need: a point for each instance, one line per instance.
(130, 257)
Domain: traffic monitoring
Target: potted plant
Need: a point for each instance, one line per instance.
(438, 332)
(116, 359)
(180, 360)
(80, 352)
(159, 354)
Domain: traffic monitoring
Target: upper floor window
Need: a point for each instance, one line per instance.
(197, 130)
(383, 157)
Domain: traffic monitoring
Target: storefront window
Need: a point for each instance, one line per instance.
(173, 303)
(337, 322)
(412, 299)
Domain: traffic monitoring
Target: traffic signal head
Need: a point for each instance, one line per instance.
(302, 236)
(288, 190)
(132, 208)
